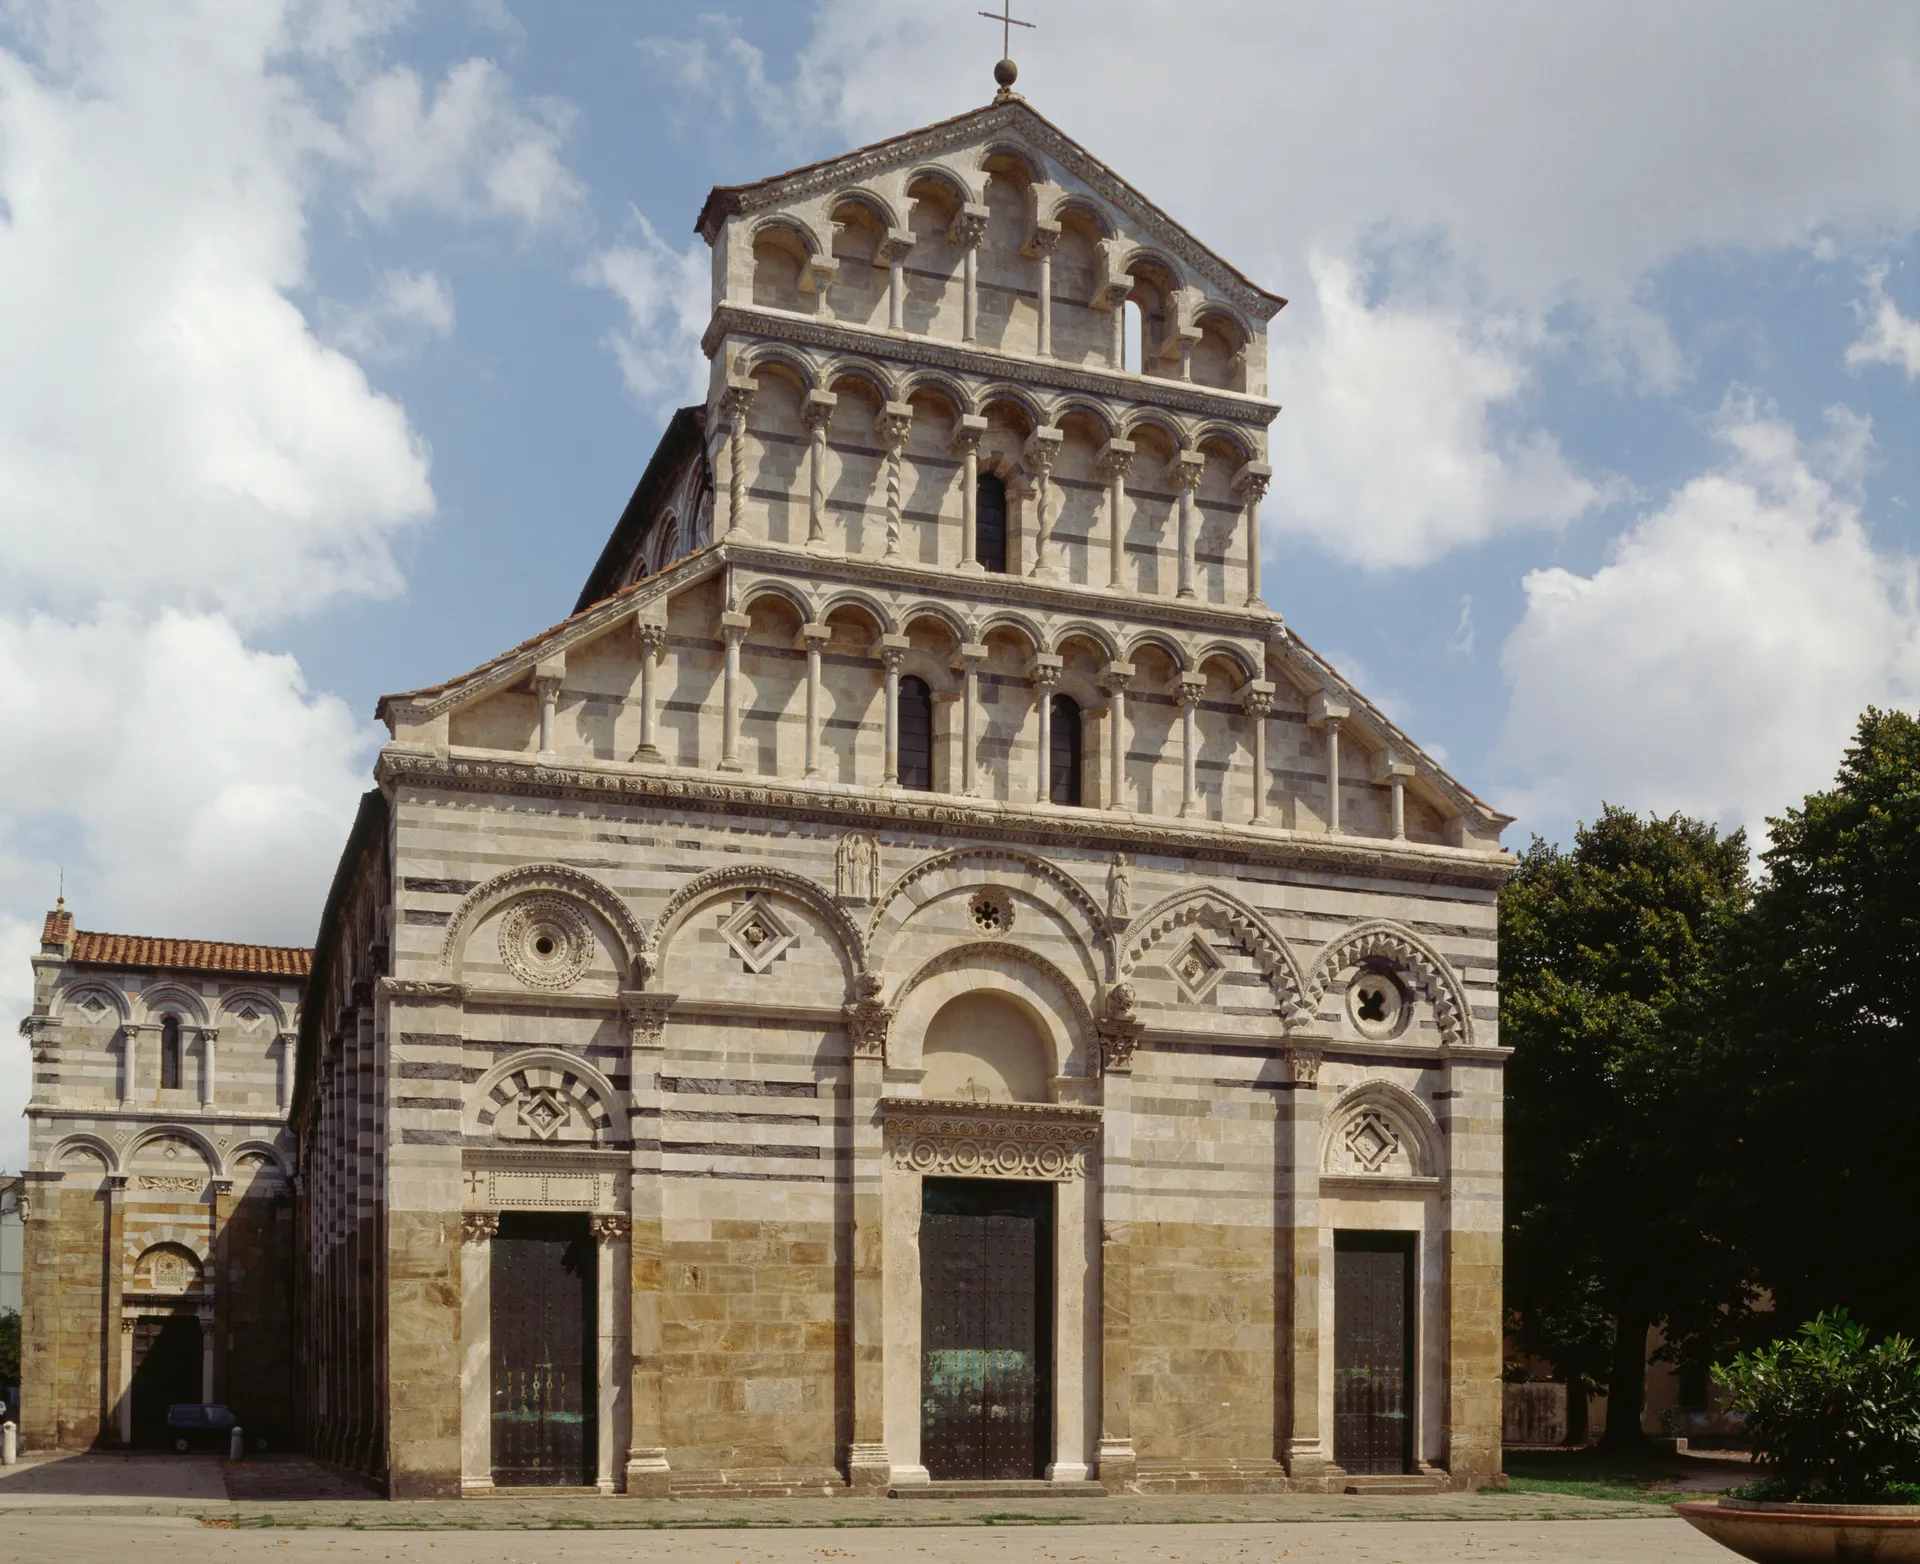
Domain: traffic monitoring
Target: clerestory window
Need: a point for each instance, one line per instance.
(172, 1065)
(1063, 759)
(916, 733)
(990, 523)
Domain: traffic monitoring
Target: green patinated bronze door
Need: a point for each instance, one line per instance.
(986, 1290)
(1373, 1351)
(544, 1329)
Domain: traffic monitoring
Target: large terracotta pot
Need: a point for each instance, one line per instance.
(1811, 1533)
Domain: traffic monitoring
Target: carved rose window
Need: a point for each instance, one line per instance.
(545, 942)
(1376, 1004)
(991, 911)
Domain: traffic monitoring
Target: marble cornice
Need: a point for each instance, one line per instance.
(766, 325)
(993, 587)
(939, 814)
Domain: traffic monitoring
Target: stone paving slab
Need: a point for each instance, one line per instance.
(118, 1537)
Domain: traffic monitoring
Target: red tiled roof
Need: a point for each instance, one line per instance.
(202, 955)
(58, 928)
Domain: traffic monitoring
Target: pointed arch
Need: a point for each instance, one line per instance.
(557, 878)
(1420, 1133)
(1408, 951)
(1226, 913)
(851, 946)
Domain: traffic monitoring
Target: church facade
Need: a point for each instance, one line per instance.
(923, 977)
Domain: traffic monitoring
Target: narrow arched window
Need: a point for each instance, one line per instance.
(1063, 760)
(916, 734)
(171, 1063)
(990, 523)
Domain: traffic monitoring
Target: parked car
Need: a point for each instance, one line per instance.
(204, 1425)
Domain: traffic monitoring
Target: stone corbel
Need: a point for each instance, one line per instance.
(1187, 469)
(1183, 326)
(817, 275)
(1044, 239)
(1120, 1028)
(609, 1226)
(1251, 481)
(1045, 669)
(1111, 283)
(968, 433)
(1256, 697)
(1324, 708)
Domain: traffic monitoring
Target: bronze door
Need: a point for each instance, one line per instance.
(986, 1289)
(1373, 1351)
(544, 1329)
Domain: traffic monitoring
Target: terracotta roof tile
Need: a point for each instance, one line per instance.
(58, 928)
(200, 955)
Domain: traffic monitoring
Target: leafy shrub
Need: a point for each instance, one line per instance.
(1833, 1419)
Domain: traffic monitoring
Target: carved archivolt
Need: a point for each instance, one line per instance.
(1379, 1130)
(753, 877)
(1004, 1140)
(558, 881)
(1232, 917)
(890, 912)
(1405, 950)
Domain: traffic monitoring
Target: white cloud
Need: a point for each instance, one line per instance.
(470, 149)
(716, 69)
(668, 295)
(1391, 451)
(1719, 659)
(183, 461)
(1889, 336)
(410, 308)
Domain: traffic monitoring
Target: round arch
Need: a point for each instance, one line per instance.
(772, 355)
(81, 1141)
(1099, 634)
(158, 998)
(1049, 997)
(568, 1075)
(1164, 644)
(782, 591)
(108, 994)
(1067, 897)
(557, 878)
(702, 888)
(184, 1132)
(1236, 655)
(1420, 1132)
(1226, 913)
(1406, 950)
(864, 602)
(863, 195)
(787, 224)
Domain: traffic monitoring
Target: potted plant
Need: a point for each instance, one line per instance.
(1835, 1424)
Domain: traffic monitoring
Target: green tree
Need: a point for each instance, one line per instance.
(10, 1347)
(1609, 956)
(1820, 1037)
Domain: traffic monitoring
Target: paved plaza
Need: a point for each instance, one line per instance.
(160, 1509)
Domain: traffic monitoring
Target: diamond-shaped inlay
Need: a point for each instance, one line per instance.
(757, 934)
(542, 1113)
(1371, 1141)
(1196, 968)
(94, 1006)
(249, 1016)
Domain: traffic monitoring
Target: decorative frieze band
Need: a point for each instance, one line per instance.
(990, 1140)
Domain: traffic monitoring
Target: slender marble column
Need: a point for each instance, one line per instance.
(652, 638)
(972, 655)
(968, 228)
(967, 435)
(129, 1060)
(1250, 483)
(209, 1035)
(891, 657)
(1045, 674)
(1187, 470)
(892, 253)
(1042, 448)
(1115, 678)
(1186, 694)
(1257, 701)
(814, 638)
(1395, 772)
(895, 419)
(733, 626)
(1045, 240)
(1115, 463)
(548, 684)
(734, 403)
(817, 412)
(647, 1471)
(1333, 773)
(1307, 1452)
(869, 1462)
(1118, 1462)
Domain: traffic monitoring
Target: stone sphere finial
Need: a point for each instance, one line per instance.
(1006, 73)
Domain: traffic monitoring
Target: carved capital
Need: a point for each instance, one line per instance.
(1256, 698)
(1187, 470)
(896, 244)
(868, 1019)
(968, 433)
(1303, 1066)
(1187, 691)
(477, 1227)
(649, 637)
(548, 686)
(736, 399)
(892, 424)
(1042, 447)
(646, 1016)
(818, 409)
(969, 226)
(608, 1226)
(1115, 460)
(1251, 481)
(1045, 670)
(892, 658)
(1044, 240)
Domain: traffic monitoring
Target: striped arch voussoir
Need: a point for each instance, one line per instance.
(1238, 922)
(1411, 955)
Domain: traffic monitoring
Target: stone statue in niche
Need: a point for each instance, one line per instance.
(857, 863)
(1120, 889)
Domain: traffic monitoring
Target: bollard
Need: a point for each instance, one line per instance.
(9, 1443)
(236, 1444)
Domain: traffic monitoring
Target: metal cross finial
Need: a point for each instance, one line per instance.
(1006, 72)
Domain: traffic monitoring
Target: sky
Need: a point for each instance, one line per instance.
(334, 336)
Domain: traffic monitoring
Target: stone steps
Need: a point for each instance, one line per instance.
(1390, 1483)
(1032, 1488)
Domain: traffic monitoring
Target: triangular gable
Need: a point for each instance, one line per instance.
(1014, 117)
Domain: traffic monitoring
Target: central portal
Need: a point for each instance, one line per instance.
(543, 1351)
(986, 1337)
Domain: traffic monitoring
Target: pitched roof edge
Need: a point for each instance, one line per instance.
(684, 431)
(369, 819)
(97, 948)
